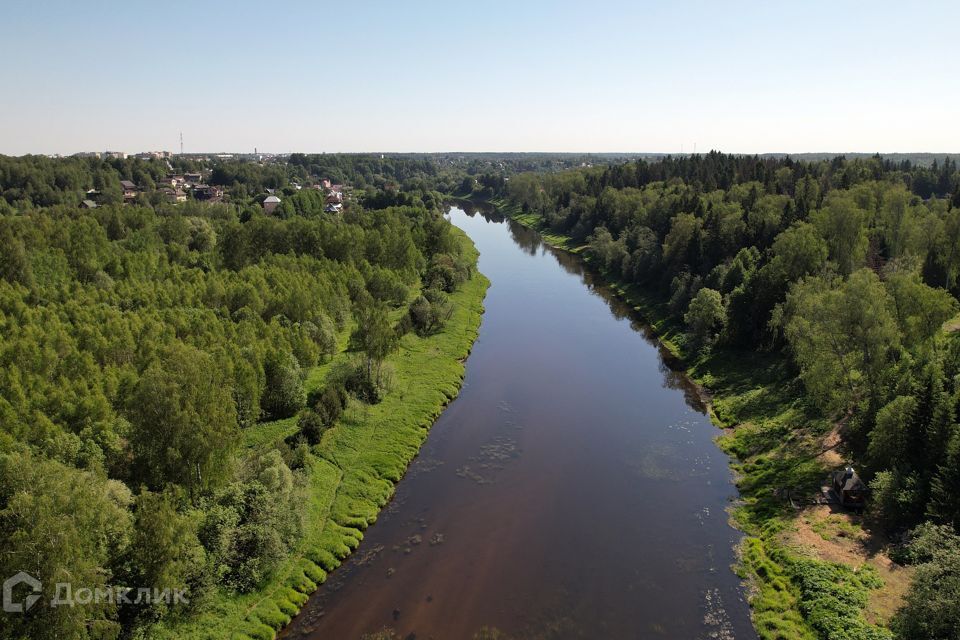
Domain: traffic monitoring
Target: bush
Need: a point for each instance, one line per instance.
(332, 400)
(832, 598)
(312, 425)
(250, 526)
(430, 312)
(445, 273)
(362, 386)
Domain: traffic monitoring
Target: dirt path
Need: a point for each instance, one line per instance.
(831, 534)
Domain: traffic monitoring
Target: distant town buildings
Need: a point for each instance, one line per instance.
(154, 155)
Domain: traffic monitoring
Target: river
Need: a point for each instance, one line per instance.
(572, 490)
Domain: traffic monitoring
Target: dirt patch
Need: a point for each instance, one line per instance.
(828, 533)
(952, 325)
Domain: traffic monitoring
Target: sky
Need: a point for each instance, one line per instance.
(409, 75)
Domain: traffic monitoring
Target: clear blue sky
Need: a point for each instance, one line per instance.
(494, 76)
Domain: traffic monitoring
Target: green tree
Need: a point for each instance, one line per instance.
(14, 264)
(284, 394)
(931, 610)
(60, 525)
(889, 436)
(705, 316)
(184, 422)
(376, 337)
(799, 251)
(921, 310)
(842, 223)
(843, 335)
(164, 552)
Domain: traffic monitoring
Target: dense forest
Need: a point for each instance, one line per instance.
(142, 344)
(850, 269)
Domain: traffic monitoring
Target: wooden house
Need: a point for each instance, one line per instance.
(850, 489)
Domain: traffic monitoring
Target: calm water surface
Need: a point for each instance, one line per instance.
(573, 490)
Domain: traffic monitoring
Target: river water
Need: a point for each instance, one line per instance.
(572, 490)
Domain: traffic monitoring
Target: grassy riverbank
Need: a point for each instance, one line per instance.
(354, 470)
(811, 572)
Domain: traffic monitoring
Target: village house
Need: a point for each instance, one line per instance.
(207, 193)
(174, 195)
(129, 190)
(88, 204)
(850, 489)
(270, 203)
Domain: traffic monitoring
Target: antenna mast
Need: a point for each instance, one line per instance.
(181, 143)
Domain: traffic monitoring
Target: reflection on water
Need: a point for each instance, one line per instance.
(573, 490)
(530, 241)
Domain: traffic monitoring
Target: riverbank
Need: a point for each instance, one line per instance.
(812, 571)
(353, 472)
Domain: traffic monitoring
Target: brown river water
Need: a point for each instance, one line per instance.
(572, 490)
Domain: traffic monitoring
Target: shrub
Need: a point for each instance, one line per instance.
(430, 312)
(312, 425)
(362, 386)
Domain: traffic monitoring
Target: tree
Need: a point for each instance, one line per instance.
(931, 610)
(921, 310)
(889, 436)
(60, 525)
(184, 422)
(311, 424)
(799, 251)
(164, 551)
(375, 336)
(842, 334)
(948, 247)
(705, 316)
(14, 265)
(842, 224)
(283, 395)
(682, 244)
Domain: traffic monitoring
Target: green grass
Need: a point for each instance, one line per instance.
(358, 462)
